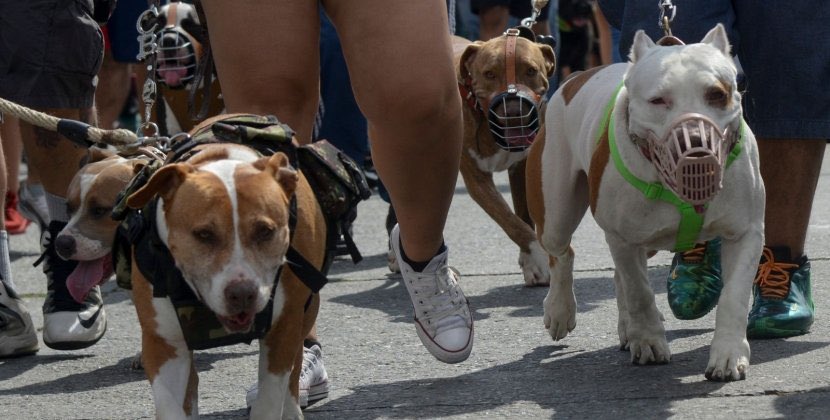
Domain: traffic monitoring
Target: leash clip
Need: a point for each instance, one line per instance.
(666, 8)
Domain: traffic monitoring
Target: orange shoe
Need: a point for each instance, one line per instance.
(15, 222)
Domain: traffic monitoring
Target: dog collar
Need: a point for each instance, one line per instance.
(691, 220)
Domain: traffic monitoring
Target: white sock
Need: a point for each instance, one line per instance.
(5, 261)
(57, 207)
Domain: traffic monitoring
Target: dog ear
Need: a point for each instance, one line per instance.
(466, 57)
(164, 181)
(279, 167)
(718, 38)
(550, 59)
(641, 44)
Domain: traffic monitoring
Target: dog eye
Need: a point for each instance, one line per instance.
(264, 233)
(204, 236)
(657, 101)
(489, 74)
(99, 212)
(532, 71)
(716, 97)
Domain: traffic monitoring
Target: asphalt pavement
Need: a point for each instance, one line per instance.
(378, 368)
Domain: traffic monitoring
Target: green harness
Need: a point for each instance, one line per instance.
(691, 221)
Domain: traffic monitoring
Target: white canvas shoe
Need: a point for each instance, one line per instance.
(442, 313)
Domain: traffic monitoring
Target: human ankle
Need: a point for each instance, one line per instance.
(419, 266)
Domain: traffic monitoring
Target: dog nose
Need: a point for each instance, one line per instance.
(65, 246)
(240, 295)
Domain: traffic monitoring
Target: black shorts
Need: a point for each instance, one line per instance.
(519, 9)
(50, 53)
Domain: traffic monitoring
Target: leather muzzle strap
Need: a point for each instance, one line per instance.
(510, 56)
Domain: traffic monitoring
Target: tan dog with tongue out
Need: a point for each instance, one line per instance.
(88, 236)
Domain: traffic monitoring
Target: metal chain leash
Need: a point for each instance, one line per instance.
(667, 13)
(537, 6)
(148, 39)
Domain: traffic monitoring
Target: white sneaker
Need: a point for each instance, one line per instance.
(17, 333)
(442, 313)
(67, 324)
(314, 381)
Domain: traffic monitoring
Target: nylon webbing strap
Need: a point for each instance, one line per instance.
(691, 222)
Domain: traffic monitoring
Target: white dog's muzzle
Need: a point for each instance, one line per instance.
(691, 157)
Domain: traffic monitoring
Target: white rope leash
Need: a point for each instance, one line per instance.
(119, 137)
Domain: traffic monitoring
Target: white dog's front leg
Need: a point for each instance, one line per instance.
(622, 312)
(729, 353)
(534, 264)
(560, 303)
(645, 334)
(274, 400)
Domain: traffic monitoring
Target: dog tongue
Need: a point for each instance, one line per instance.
(87, 275)
(519, 137)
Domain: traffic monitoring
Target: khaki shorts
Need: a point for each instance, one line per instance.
(50, 53)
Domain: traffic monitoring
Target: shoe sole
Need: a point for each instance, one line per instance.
(24, 348)
(440, 353)
(75, 345)
(316, 393)
(774, 333)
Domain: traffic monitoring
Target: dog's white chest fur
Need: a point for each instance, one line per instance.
(498, 162)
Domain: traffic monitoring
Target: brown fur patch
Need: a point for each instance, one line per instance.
(202, 190)
(294, 322)
(599, 161)
(574, 83)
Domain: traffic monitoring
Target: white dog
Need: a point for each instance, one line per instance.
(658, 149)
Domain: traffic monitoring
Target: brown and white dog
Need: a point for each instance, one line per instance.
(88, 236)
(223, 214)
(503, 82)
(675, 124)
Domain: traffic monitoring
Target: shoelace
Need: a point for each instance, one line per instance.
(438, 294)
(308, 364)
(773, 278)
(695, 255)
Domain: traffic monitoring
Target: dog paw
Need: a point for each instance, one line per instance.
(649, 352)
(535, 266)
(728, 360)
(560, 314)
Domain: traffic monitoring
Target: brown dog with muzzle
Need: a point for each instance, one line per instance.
(503, 83)
(179, 56)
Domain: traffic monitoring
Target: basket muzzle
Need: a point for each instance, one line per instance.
(513, 117)
(690, 159)
(179, 51)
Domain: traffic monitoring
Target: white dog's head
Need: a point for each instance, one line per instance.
(684, 107)
(665, 82)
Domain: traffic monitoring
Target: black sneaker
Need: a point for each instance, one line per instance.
(67, 324)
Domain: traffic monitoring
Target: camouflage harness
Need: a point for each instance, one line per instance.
(138, 232)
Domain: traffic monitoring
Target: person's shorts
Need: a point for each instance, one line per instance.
(783, 48)
(50, 53)
(519, 9)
